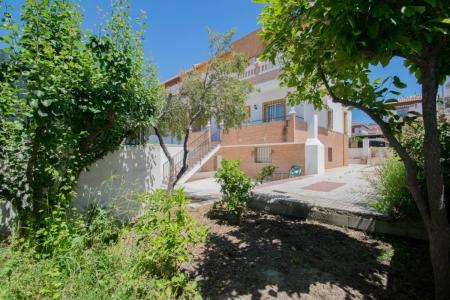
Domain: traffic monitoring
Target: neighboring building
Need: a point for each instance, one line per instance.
(360, 129)
(277, 133)
(370, 131)
(408, 104)
(414, 104)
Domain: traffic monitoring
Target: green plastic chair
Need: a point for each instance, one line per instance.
(295, 171)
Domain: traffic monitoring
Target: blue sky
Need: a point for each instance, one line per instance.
(176, 38)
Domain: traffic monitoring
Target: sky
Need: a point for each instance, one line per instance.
(176, 37)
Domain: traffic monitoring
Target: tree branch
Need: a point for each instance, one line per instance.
(410, 164)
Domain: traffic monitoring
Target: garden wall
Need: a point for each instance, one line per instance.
(113, 179)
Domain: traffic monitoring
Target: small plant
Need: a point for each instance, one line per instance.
(235, 186)
(92, 257)
(266, 173)
(392, 194)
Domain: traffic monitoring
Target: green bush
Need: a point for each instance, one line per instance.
(392, 194)
(265, 173)
(235, 186)
(92, 257)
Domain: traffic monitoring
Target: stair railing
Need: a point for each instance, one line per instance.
(197, 150)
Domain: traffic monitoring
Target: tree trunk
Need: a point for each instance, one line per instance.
(433, 210)
(171, 183)
(439, 231)
(185, 156)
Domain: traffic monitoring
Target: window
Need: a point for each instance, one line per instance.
(345, 122)
(248, 114)
(264, 154)
(330, 154)
(275, 110)
(330, 119)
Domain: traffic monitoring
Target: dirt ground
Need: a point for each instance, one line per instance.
(273, 257)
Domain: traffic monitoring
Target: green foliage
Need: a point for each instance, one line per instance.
(235, 186)
(211, 91)
(68, 98)
(412, 139)
(332, 44)
(266, 173)
(91, 257)
(392, 194)
(391, 187)
(413, 136)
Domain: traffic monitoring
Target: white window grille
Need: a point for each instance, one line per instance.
(264, 154)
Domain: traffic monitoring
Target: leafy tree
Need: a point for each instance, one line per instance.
(328, 46)
(211, 91)
(67, 99)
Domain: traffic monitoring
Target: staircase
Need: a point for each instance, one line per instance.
(199, 152)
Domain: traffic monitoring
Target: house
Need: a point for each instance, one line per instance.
(370, 131)
(360, 129)
(408, 104)
(276, 133)
(405, 105)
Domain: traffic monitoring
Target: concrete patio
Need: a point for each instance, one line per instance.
(345, 188)
(340, 196)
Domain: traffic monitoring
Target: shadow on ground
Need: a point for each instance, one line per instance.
(276, 257)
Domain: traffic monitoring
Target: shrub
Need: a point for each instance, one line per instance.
(266, 173)
(392, 194)
(235, 186)
(94, 258)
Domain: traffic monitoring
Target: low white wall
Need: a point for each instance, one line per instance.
(114, 179)
(358, 153)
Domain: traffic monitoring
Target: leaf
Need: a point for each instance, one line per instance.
(41, 113)
(445, 21)
(46, 103)
(431, 2)
(398, 83)
(373, 30)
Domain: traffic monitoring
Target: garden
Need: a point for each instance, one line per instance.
(70, 95)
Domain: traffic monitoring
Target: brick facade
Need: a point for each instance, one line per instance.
(284, 156)
(338, 143)
(286, 139)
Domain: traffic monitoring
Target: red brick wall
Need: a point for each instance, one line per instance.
(338, 142)
(265, 133)
(283, 156)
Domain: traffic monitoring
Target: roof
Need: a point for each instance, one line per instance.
(409, 100)
(357, 125)
(374, 129)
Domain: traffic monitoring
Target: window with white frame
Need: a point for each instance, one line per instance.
(264, 154)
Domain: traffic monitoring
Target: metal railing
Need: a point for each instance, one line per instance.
(260, 122)
(197, 150)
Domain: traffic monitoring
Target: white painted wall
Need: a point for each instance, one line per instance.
(267, 91)
(112, 180)
(361, 130)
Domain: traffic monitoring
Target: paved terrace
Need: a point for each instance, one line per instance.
(340, 197)
(343, 189)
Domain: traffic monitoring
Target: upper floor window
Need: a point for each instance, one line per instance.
(345, 122)
(330, 119)
(274, 111)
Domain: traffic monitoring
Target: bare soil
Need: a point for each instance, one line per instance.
(274, 257)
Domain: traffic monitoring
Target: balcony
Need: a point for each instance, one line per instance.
(288, 129)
